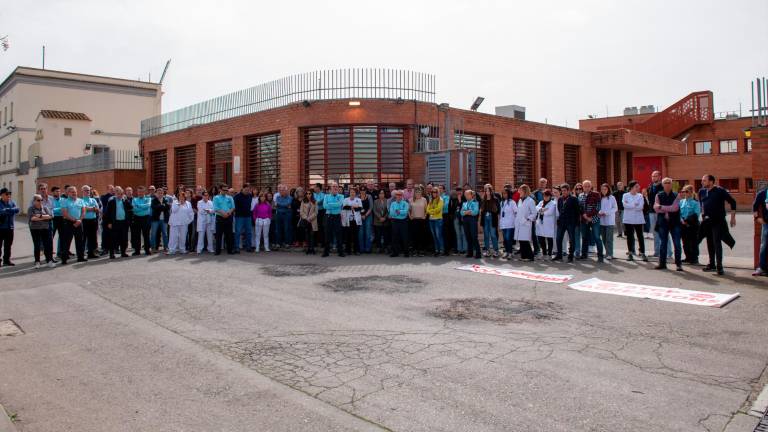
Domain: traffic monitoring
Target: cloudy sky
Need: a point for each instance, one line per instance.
(561, 59)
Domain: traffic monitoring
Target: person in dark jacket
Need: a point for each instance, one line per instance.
(117, 219)
(489, 217)
(106, 236)
(243, 218)
(667, 208)
(713, 226)
(618, 194)
(161, 212)
(760, 213)
(8, 211)
(569, 218)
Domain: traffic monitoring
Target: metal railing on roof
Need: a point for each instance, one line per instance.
(365, 83)
(112, 159)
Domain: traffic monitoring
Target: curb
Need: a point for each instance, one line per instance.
(6, 425)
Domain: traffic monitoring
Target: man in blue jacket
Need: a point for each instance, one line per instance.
(760, 213)
(8, 211)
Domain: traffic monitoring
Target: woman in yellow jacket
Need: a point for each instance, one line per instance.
(435, 213)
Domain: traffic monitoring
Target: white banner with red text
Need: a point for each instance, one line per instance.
(676, 295)
(519, 274)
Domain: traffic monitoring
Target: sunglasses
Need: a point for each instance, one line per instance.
(38, 200)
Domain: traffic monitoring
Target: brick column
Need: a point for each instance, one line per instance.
(201, 165)
(759, 173)
(238, 158)
(290, 157)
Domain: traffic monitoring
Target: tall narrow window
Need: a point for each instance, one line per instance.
(480, 145)
(262, 168)
(571, 164)
(158, 161)
(602, 167)
(545, 160)
(220, 163)
(11, 111)
(629, 167)
(185, 163)
(616, 166)
(524, 162)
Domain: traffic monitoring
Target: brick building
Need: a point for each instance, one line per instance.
(711, 146)
(350, 126)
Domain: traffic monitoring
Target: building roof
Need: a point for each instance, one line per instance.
(76, 80)
(64, 115)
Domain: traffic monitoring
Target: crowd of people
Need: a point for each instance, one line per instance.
(410, 220)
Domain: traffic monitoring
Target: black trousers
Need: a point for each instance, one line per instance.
(321, 227)
(690, 237)
(6, 240)
(333, 230)
(546, 245)
(399, 236)
(224, 234)
(525, 250)
(91, 233)
(310, 235)
(140, 231)
(106, 238)
(56, 228)
(449, 234)
(118, 238)
(381, 236)
(419, 231)
(350, 236)
(715, 245)
(632, 231)
(69, 232)
(561, 231)
(470, 232)
(533, 237)
(42, 237)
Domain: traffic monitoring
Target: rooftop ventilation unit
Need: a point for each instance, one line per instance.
(630, 111)
(647, 109)
(511, 111)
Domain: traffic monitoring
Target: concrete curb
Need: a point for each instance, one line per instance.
(6, 425)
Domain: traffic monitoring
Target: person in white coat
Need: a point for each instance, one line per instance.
(206, 223)
(181, 216)
(546, 218)
(607, 213)
(526, 215)
(507, 221)
(633, 219)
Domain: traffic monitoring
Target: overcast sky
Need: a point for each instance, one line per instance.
(561, 59)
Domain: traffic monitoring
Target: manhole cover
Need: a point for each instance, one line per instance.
(287, 270)
(499, 310)
(389, 284)
(10, 328)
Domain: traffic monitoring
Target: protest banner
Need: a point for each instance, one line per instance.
(519, 274)
(676, 295)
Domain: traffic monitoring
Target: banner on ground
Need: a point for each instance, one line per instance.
(676, 295)
(519, 274)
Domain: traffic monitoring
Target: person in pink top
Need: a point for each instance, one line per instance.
(262, 215)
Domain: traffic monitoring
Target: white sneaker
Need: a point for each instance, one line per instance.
(37, 265)
(51, 264)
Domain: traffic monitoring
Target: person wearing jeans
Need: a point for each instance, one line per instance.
(489, 215)
(161, 211)
(667, 208)
(224, 207)
(243, 219)
(333, 202)
(568, 218)
(283, 217)
(760, 214)
(633, 218)
(365, 232)
(262, 216)
(456, 217)
(589, 201)
(470, 209)
(608, 210)
(435, 216)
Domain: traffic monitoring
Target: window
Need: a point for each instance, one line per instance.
(220, 163)
(158, 166)
(697, 185)
(545, 159)
(262, 161)
(185, 162)
(602, 167)
(749, 184)
(523, 163)
(730, 184)
(5, 116)
(728, 146)
(354, 153)
(703, 147)
(678, 184)
(482, 155)
(67, 131)
(10, 152)
(748, 145)
(5, 149)
(11, 111)
(571, 164)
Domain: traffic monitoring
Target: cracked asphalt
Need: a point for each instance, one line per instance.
(283, 341)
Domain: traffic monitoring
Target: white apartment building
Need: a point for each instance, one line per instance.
(49, 116)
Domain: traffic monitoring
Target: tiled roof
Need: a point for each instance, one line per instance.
(64, 115)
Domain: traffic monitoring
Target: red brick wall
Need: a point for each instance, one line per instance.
(99, 179)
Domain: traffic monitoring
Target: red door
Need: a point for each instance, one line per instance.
(642, 167)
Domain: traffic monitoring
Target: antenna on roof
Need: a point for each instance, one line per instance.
(162, 77)
(43, 56)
